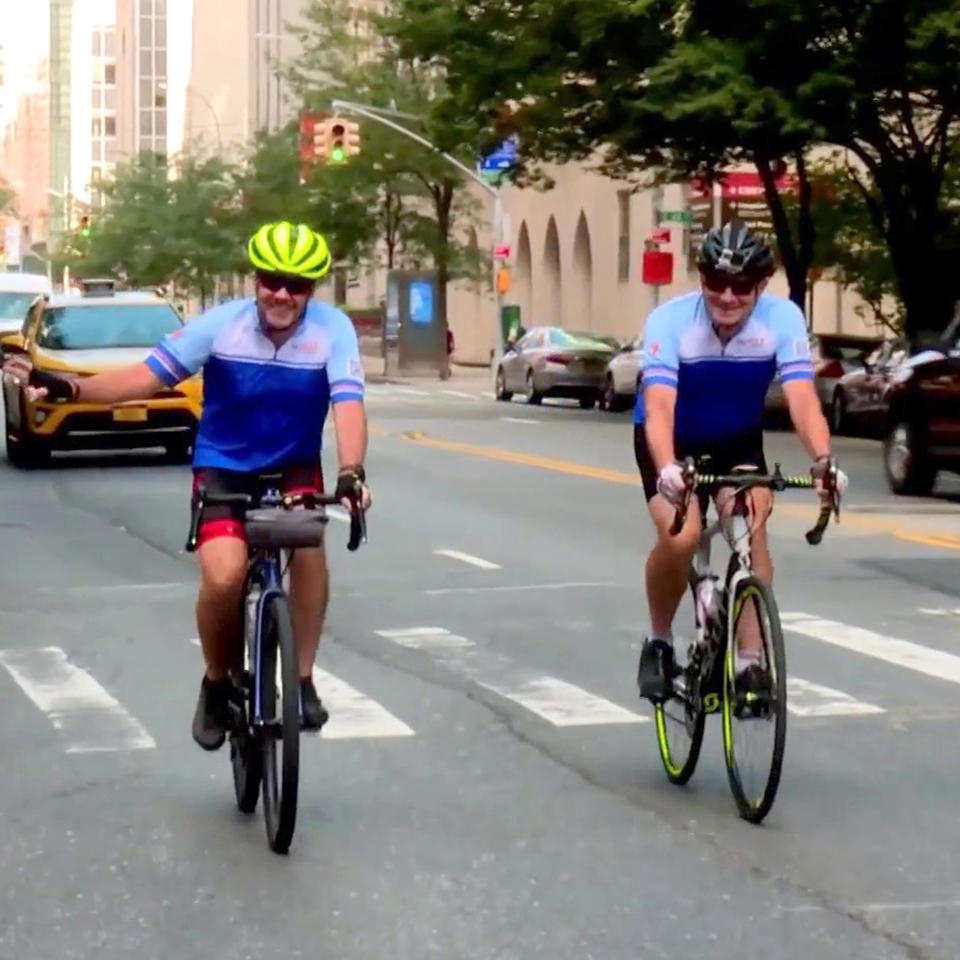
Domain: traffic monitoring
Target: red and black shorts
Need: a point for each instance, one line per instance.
(736, 451)
(225, 520)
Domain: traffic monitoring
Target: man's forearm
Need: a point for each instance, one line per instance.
(128, 383)
(811, 425)
(350, 420)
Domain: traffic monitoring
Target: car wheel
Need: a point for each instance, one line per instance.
(25, 451)
(839, 424)
(533, 396)
(587, 401)
(500, 389)
(610, 400)
(907, 468)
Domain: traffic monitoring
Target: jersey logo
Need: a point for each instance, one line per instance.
(654, 349)
(356, 368)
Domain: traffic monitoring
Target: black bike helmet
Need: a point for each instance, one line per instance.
(732, 249)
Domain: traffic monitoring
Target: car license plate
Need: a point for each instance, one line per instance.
(130, 414)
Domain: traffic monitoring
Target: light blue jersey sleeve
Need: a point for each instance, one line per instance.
(344, 368)
(793, 342)
(183, 352)
(660, 358)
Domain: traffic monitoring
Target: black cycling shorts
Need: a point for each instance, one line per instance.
(225, 520)
(740, 450)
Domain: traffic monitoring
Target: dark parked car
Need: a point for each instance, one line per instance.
(922, 429)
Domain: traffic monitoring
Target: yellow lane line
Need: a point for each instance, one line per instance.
(872, 524)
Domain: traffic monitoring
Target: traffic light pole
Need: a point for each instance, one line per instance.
(377, 114)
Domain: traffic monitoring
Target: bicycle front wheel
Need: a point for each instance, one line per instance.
(281, 715)
(755, 719)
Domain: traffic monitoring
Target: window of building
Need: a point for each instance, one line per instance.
(110, 126)
(146, 123)
(97, 38)
(96, 127)
(110, 74)
(623, 248)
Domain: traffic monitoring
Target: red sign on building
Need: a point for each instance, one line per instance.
(657, 267)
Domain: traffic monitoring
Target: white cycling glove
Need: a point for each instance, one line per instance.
(819, 472)
(671, 484)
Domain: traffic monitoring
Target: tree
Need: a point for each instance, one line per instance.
(344, 56)
(8, 198)
(689, 87)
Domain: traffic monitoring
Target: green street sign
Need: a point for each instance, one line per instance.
(676, 216)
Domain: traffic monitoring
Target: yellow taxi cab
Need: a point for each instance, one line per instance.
(82, 334)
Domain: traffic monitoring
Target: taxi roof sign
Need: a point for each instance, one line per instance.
(102, 287)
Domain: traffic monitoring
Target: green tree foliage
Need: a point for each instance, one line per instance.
(691, 87)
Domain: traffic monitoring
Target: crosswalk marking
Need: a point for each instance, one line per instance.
(901, 653)
(552, 699)
(354, 715)
(467, 558)
(89, 717)
(806, 699)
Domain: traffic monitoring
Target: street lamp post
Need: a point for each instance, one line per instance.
(379, 115)
(65, 199)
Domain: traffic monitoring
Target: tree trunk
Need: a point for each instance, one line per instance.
(796, 257)
(339, 286)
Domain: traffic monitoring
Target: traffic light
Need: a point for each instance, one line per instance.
(85, 225)
(342, 139)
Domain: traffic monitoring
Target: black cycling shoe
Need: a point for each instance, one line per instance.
(655, 673)
(314, 714)
(211, 720)
(754, 694)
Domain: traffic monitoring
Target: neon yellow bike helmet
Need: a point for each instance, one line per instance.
(289, 248)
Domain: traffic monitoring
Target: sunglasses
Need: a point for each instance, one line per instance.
(718, 282)
(295, 286)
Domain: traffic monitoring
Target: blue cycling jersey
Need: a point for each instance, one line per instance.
(721, 387)
(263, 406)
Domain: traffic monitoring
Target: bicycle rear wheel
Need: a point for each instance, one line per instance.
(281, 715)
(755, 723)
(679, 730)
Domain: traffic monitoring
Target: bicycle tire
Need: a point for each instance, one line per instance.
(753, 806)
(246, 755)
(280, 781)
(679, 764)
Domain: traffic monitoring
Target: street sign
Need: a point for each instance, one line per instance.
(676, 216)
(499, 162)
(502, 251)
(657, 267)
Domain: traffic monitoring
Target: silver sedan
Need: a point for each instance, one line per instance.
(553, 362)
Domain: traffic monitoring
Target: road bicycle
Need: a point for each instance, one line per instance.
(705, 680)
(265, 707)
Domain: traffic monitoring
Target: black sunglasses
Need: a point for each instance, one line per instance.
(718, 282)
(295, 286)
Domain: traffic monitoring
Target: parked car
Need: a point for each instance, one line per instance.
(922, 425)
(86, 334)
(861, 397)
(833, 355)
(622, 378)
(553, 362)
(17, 293)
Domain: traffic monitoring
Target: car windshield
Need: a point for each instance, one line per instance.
(114, 325)
(577, 338)
(14, 306)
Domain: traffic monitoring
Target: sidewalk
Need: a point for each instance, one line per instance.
(459, 373)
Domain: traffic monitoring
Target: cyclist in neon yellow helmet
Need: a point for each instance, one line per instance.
(273, 366)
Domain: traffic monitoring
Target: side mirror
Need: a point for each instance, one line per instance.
(11, 344)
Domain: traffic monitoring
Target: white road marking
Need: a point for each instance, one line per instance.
(807, 699)
(878, 907)
(554, 700)
(901, 653)
(116, 587)
(442, 591)
(490, 394)
(410, 391)
(89, 717)
(338, 514)
(939, 611)
(468, 558)
(354, 715)
(519, 420)
(461, 393)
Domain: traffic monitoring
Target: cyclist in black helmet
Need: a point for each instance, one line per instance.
(709, 358)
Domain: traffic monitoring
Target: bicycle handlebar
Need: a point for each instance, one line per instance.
(287, 501)
(772, 481)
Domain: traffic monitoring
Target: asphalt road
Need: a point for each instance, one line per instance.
(489, 785)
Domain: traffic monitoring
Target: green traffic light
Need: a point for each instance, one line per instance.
(337, 154)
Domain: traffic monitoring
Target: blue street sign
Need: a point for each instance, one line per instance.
(503, 158)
